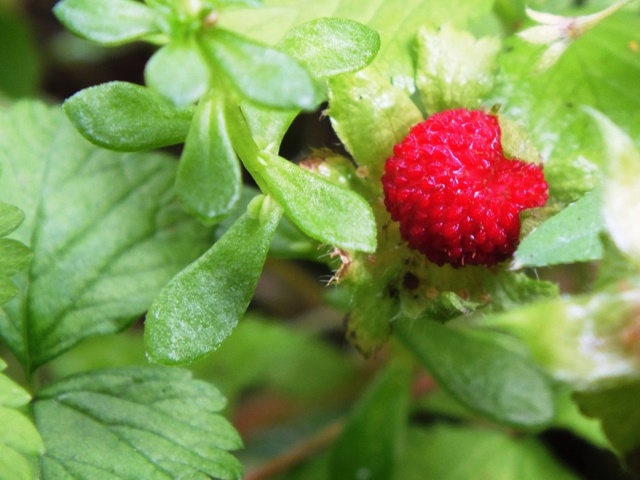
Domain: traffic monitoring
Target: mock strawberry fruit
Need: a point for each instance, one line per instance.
(455, 195)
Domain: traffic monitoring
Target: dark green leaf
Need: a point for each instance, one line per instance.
(262, 74)
(200, 307)
(127, 117)
(134, 423)
(570, 236)
(19, 56)
(370, 116)
(618, 410)
(179, 72)
(331, 46)
(20, 442)
(105, 229)
(109, 22)
(321, 209)
(209, 178)
(480, 372)
(446, 452)
(372, 438)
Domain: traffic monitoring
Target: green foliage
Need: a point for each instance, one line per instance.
(20, 442)
(157, 422)
(91, 239)
(19, 56)
(481, 373)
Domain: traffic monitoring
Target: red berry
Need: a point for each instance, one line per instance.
(455, 195)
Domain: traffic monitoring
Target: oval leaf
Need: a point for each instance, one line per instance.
(331, 46)
(10, 218)
(481, 373)
(573, 235)
(209, 178)
(200, 307)
(178, 72)
(108, 22)
(158, 422)
(127, 117)
(371, 440)
(262, 74)
(321, 209)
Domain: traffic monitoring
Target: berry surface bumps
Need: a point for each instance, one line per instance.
(455, 195)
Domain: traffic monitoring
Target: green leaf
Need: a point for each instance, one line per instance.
(480, 372)
(20, 59)
(331, 46)
(14, 256)
(127, 117)
(261, 74)
(10, 218)
(454, 68)
(209, 178)
(200, 307)
(548, 104)
(372, 438)
(321, 209)
(157, 422)
(397, 24)
(105, 229)
(573, 235)
(20, 442)
(584, 341)
(370, 116)
(178, 72)
(447, 452)
(108, 22)
(618, 411)
(620, 191)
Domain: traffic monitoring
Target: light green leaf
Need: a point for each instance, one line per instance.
(127, 117)
(373, 436)
(321, 209)
(548, 104)
(480, 372)
(454, 70)
(447, 452)
(135, 423)
(14, 256)
(584, 341)
(620, 192)
(105, 229)
(20, 442)
(179, 72)
(261, 74)
(370, 116)
(200, 307)
(396, 23)
(10, 218)
(618, 411)
(570, 236)
(209, 178)
(331, 46)
(108, 22)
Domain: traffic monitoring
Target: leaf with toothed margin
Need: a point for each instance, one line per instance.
(105, 229)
